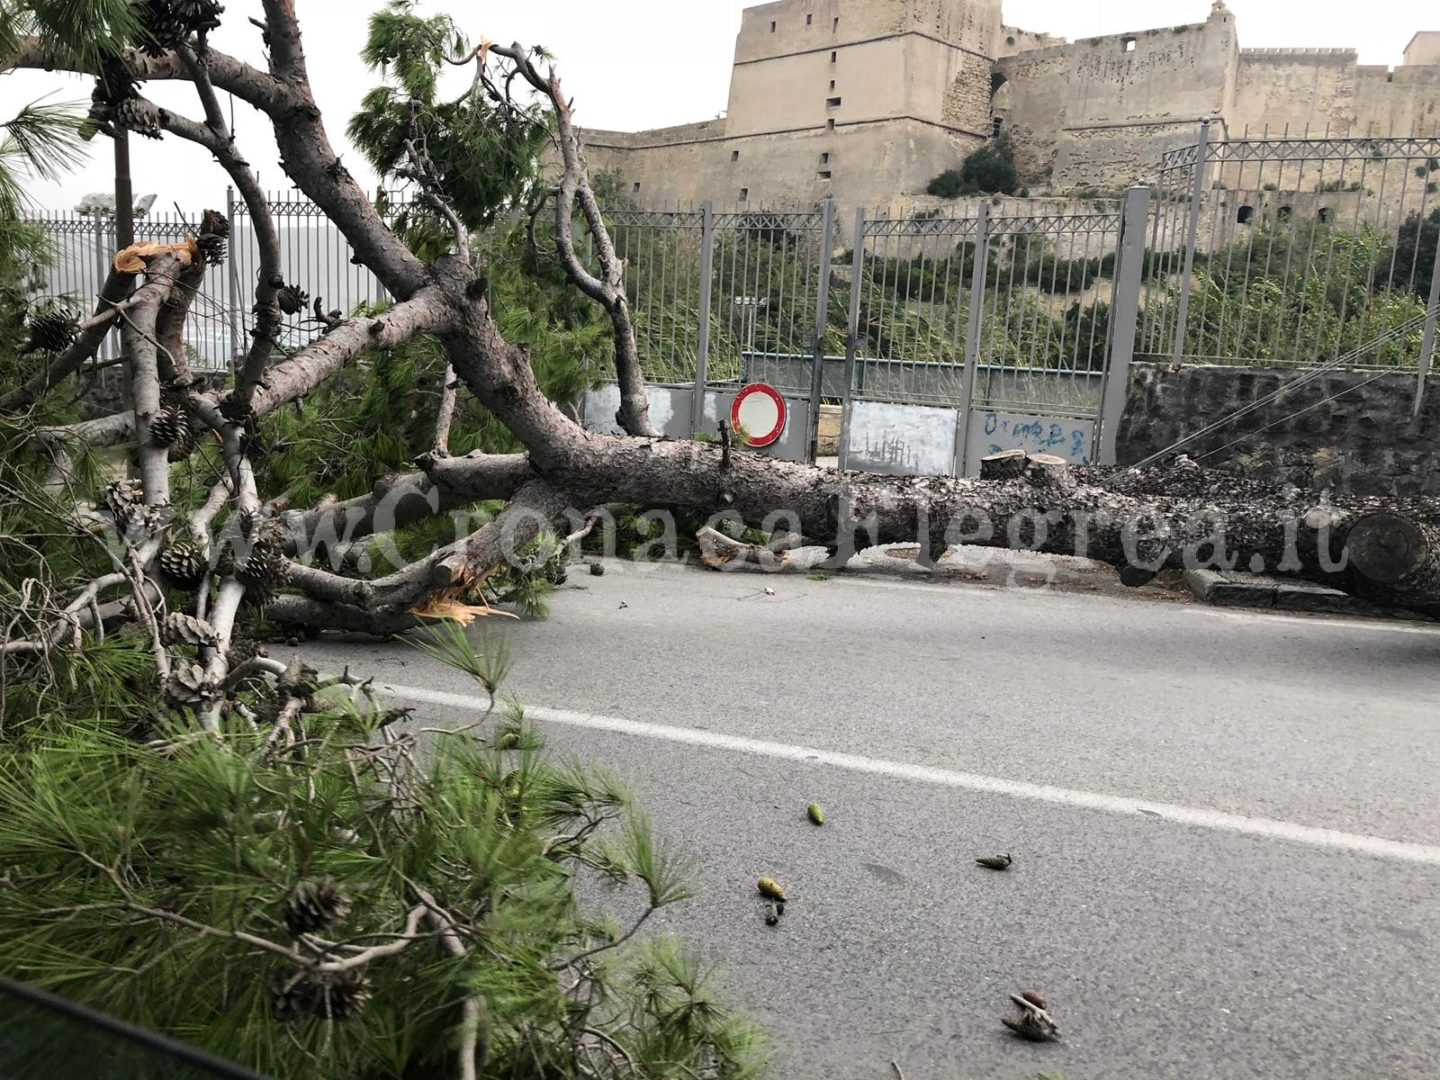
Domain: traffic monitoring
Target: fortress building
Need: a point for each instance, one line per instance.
(867, 100)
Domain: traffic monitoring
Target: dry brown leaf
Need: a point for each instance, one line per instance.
(446, 607)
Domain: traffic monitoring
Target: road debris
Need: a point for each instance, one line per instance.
(771, 890)
(995, 862)
(772, 914)
(597, 569)
(1034, 1023)
(815, 813)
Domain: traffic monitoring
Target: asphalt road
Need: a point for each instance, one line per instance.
(1226, 826)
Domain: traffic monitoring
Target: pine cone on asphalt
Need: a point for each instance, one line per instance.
(995, 862)
(182, 564)
(314, 904)
(303, 995)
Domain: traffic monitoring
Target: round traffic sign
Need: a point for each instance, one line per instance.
(758, 414)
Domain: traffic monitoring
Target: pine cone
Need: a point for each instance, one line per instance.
(292, 300)
(187, 685)
(212, 246)
(122, 500)
(183, 446)
(263, 571)
(302, 995)
(139, 116)
(182, 564)
(314, 904)
(166, 425)
(214, 223)
(198, 15)
(182, 629)
(52, 329)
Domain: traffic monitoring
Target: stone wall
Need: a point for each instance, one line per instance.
(1364, 440)
(1295, 90)
(1100, 111)
(869, 164)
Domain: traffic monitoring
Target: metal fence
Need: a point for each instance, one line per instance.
(313, 253)
(1295, 252)
(1290, 252)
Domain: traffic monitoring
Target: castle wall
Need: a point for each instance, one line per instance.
(831, 23)
(869, 164)
(1294, 90)
(973, 25)
(1403, 102)
(1101, 111)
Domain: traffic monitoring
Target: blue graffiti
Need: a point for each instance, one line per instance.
(1039, 436)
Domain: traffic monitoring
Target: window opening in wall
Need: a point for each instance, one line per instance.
(1129, 44)
(1283, 214)
(823, 174)
(1323, 216)
(744, 193)
(636, 188)
(772, 28)
(809, 19)
(832, 103)
(836, 24)
(830, 124)
(734, 155)
(825, 158)
(997, 125)
(833, 56)
(832, 84)
(1245, 215)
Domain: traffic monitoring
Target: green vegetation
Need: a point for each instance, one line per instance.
(990, 170)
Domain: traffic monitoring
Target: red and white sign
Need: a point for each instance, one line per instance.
(758, 414)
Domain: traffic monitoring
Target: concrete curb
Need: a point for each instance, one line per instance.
(1225, 588)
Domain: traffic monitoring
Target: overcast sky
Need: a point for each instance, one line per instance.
(633, 64)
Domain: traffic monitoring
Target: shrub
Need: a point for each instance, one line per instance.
(990, 170)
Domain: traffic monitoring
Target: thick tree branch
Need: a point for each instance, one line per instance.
(427, 312)
(608, 290)
(112, 301)
(142, 346)
(308, 157)
(388, 605)
(216, 136)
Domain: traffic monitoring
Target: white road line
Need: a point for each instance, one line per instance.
(1266, 828)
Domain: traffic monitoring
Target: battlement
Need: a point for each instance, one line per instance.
(1293, 54)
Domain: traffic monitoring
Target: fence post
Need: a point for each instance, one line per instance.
(702, 343)
(852, 334)
(822, 322)
(1192, 234)
(103, 254)
(972, 338)
(1124, 318)
(232, 302)
(1427, 345)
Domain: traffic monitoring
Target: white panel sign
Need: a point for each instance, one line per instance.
(992, 432)
(900, 440)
